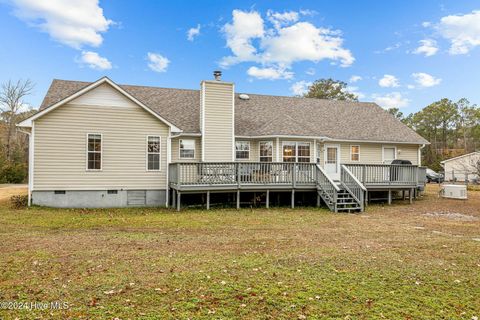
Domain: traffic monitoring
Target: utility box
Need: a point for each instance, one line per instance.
(454, 191)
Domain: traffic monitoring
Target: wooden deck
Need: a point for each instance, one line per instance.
(356, 179)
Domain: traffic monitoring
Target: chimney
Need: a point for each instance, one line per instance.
(217, 74)
(217, 119)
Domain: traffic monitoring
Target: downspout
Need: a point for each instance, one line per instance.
(169, 160)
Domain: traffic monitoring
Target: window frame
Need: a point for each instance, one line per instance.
(295, 156)
(260, 150)
(180, 149)
(388, 147)
(159, 153)
(87, 151)
(351, 153)
(249, 149)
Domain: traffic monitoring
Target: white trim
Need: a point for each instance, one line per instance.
(186, 134)
(87, 152)
(458, 157)
(28, 122)
(259, 149)
(249, 150)
(324, 139)
(359, 148)
(296, 149)
(194, 149)
(277, 145)
(383, 152)
(169, 160)
(31, 162)
(202, 111)
(314, 151)
(233, 123)
(339, 155)
(159, 153)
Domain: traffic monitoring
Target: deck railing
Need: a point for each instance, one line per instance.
(328, 188)
(353, 185)
(385, 174)
(242, 173)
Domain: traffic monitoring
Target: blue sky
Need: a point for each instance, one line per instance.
(397, 53)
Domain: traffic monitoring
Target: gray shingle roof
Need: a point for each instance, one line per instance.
(264, 115)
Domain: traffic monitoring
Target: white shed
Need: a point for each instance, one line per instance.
(462, 168)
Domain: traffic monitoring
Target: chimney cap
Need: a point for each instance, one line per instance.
(217, 74)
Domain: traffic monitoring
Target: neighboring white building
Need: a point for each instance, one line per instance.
(462, 168)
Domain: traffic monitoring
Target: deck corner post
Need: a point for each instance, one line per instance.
(293, 199)
(238, 174)
(178, 200)
(208, 200)
(267, 200)
(411, 195)
(389, 196)
(294, 174)
(238, 199)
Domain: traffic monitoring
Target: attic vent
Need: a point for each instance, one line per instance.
(244, 96)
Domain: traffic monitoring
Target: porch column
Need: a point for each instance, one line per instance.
(267, 200)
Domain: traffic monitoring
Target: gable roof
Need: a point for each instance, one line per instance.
(263, 115)
(462, 156)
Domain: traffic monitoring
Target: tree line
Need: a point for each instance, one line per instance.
(451, 127)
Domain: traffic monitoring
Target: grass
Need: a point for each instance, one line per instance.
(419, 261)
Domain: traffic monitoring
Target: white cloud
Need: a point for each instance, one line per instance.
(428, 47)
(355, 78)
(289, 41)
(299, 88)
(391, 100)
(410, 86)
(158, 63)
(310, 71)
(426, 24)
(463, 31)
(193, 32)
(355, 91)
(425, 80)
(269, 73)
(388, 81)
(282, 19)
(75, 23)
(94, 61)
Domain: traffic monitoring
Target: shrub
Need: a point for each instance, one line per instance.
(19, 201)
(13, 173)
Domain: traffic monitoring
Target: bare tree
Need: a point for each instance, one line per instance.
(12, 95)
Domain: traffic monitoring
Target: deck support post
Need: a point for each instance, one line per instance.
(293, 198)
(174, 198)
(403, 194)
(179, 195)
(238, 199)
(410, 194)
(267, 200)
(318, 199)
(389, 196)
(208, 200)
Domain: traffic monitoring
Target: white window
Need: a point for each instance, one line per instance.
(354, 153)
(94, 151)
(266, 151)
(242, 150)
(187, 149)
(296, 152)
(153, 153)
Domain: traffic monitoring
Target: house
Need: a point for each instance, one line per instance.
(100, 144)
(462, 168)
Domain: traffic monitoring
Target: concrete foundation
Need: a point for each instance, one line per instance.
(99, 198)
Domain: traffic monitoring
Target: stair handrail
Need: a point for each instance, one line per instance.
(353, 185)
(329, 188)
(327, 177)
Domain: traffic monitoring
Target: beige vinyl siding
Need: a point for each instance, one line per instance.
(218, 121)
(371, 153)
(176, 149)
(61, 142)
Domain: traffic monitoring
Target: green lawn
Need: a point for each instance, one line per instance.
(418, 261)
